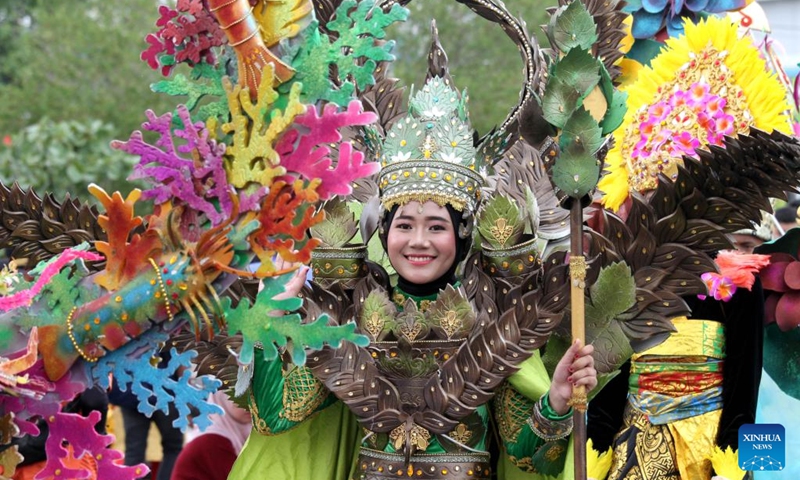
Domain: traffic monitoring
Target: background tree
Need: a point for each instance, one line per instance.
(482, 58)
(76, 60)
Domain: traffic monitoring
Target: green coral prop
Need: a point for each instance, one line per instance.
(205, 81)
(354, 51)
(260, 324)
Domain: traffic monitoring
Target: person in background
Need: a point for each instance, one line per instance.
(787, 219)
(748, 239)
(210, 454)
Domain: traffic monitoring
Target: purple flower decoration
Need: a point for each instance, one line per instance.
(719, 287)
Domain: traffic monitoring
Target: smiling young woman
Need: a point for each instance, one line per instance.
(421, 243)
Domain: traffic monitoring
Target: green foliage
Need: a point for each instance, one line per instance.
(61, 157)
(613, 293)
(76, 60)
(572, 27)
(482, 58)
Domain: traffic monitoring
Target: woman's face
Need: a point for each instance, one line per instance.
(421, 242)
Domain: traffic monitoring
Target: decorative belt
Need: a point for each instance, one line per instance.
(376, 465)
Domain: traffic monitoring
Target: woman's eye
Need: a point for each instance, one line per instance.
(438, 228)
(403, 226)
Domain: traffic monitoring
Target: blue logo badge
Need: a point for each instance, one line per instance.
(762, 446)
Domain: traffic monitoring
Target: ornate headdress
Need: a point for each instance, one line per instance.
(429, 154)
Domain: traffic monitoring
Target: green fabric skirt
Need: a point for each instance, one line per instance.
(323, 447)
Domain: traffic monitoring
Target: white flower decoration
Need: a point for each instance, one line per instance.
(433, 112)
(401, 156)
(451, 157)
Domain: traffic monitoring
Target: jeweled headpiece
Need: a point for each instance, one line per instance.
(429, 154)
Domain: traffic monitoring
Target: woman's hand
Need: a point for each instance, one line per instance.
(575, 368)
(295, 284)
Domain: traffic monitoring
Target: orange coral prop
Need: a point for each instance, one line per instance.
(286, 214)
(123, 258)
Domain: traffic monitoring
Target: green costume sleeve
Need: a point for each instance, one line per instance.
(282, 396)
(514, 405)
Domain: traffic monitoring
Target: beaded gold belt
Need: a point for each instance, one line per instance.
(376, 465)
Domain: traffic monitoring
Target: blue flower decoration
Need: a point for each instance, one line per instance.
(651, 16)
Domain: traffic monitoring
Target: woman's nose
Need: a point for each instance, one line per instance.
(419, 239)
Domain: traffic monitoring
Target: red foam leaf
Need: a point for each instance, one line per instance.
(124, 257)
(772, 277)
(787, 311)
(792, 276)
(769, 307)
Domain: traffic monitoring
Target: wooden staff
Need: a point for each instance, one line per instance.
(577, 273)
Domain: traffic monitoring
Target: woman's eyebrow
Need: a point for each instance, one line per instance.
(432, 218)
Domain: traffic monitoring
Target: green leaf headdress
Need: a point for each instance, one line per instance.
(429, 154)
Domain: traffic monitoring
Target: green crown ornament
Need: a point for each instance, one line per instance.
(430, 154)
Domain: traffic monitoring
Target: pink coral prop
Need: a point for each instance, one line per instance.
(25, 297)
(79, 434)
(310, 160)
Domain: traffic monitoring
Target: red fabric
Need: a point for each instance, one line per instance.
(207, 457)
(678, 384)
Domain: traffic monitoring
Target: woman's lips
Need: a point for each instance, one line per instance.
(419, 260)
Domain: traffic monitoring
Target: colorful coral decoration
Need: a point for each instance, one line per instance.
(235, 180)
(706, 85)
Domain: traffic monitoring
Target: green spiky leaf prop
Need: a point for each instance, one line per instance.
(377, 315)
(577, 171)
(612, 294)
(257, 324)
(339, 226)
(500, 222)
(451, 314)
(579, 99)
